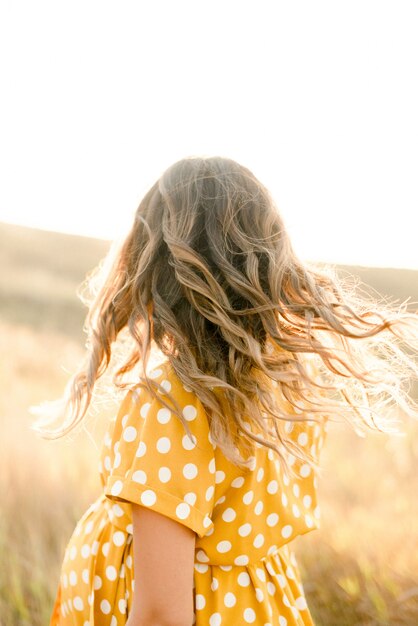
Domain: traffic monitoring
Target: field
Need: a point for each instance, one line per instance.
(360, 568)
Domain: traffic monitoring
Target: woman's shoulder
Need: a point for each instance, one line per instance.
(163, 374)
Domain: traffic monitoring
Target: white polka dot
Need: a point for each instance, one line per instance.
(139, 477)
(142, 448)
(301, 603)
(295, 510)
(72, 578)
(238, 482)
(189, 412)
(244, 530)
(282, 621)
(212, 466)
(290, 573)
(261, 574)
(128, 561)
(207, 522)
(129, 530)
(117, 510)
(88, 528)
(215, 619)
(229, 599)
(73, 553)
(190, 498)
(166, 385)
(163, 445)
(309, 521)
(224, 546)
(272, 519)
(303, 439)
(200, 601)
(260, 474)
(183, 510)
(85, 576)
(122, 605)
(97, 583)
(281, 580)
(202, 556)
(148, 497)
(130, 434)
(219, 476)
(164, 415)
(214, 584)
(285, 600)
(118, 538)
(209, 493)
(258, 540)
(259, 595)
(85, 551)
(105, 548)
(116, 488)
(258, 509)
(249, 616)
(248, 497)
(307, 501)
(190, 471)
(105, 606)
(242, 559)
(284, 499)
(111, 573)
(296, 490)
(113, 621)
(271, 588)
(244, 579)
(273, 486)
(287, 531)
(144, 409)
(305, 470)
(117, 460)
(201, 567)
(272, 550)
(229, 515)
(155, 373)
(317, 512)
(107, 463)
(78, 603)
(164, 474)
(187, 443)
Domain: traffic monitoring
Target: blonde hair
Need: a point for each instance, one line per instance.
(208, 273)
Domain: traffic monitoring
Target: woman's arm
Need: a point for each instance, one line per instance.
(163, 561)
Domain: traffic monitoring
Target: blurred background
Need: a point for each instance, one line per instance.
(319, 100)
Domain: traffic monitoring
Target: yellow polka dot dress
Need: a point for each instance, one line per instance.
(244, 519)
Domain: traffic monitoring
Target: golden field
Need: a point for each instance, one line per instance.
(360, 568)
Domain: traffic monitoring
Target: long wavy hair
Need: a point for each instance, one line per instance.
(208, 274)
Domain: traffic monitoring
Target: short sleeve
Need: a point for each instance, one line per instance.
(156, 464)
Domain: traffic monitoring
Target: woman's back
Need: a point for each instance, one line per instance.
(244, 571)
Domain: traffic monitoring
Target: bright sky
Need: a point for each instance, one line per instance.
(319, 99)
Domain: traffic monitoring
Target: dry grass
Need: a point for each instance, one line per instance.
(360, 568)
